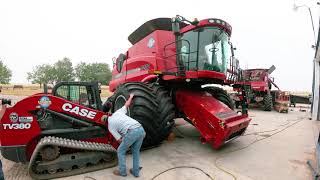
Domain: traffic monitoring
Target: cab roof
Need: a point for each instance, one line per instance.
(150, 26)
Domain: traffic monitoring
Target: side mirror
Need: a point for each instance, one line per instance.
(232, 48)
(119, 62)
(236, 67)
(114, 60)
(175, 26)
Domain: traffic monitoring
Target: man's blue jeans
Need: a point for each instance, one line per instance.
(133, 138)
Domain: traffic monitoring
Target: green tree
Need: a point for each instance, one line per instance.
(5, 74)
(42, 74)
(99, 72)
(63, 70)
(51, 74)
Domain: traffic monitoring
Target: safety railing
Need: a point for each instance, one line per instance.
(181, 63)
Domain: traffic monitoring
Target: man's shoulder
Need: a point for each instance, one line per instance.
(122, 110)
(116, 116)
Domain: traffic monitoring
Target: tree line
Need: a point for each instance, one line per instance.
(62, 70)
(5, 74)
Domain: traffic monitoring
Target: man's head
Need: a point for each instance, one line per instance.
(107, 105)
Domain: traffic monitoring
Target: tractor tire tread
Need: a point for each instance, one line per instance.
(221, 95)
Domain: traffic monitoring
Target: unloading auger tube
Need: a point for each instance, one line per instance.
(92, 157)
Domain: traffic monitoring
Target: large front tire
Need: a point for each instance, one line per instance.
(267, 102)
(144, 109)
(221, 95)
(166, 109)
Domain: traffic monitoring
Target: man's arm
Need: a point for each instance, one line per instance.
(115, 134)
(123, 110)
(128, 102)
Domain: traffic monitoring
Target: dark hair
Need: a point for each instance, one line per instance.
(106, 107)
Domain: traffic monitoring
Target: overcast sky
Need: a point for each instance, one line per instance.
(265, 32)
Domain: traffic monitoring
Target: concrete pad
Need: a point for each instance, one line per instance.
(275, 146)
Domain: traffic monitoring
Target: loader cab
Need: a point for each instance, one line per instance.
(83, 93)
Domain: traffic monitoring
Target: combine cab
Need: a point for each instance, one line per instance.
(167, 66)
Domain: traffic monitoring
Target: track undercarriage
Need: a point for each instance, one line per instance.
(48, 162)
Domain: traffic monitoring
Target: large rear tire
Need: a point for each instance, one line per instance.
(144, 109)
(221, 95)
(267, 102)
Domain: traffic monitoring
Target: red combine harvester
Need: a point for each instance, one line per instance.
(64, 132)
(257, 84)
(167, 66)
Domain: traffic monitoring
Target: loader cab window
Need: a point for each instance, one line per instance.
(78, 94)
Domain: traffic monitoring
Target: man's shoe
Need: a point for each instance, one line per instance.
(117, 173)
(131, 171)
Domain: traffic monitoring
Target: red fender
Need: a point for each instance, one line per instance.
(148, 78)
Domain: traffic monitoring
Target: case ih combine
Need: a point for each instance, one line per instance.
(257, 84)
(166, 68)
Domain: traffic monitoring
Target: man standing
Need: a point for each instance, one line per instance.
(128, 132)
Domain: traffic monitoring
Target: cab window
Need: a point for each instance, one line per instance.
(77, 94)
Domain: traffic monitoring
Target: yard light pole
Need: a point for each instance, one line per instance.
(316, 69)
(295, 8)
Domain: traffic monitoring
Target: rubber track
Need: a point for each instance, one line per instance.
(73, 144)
